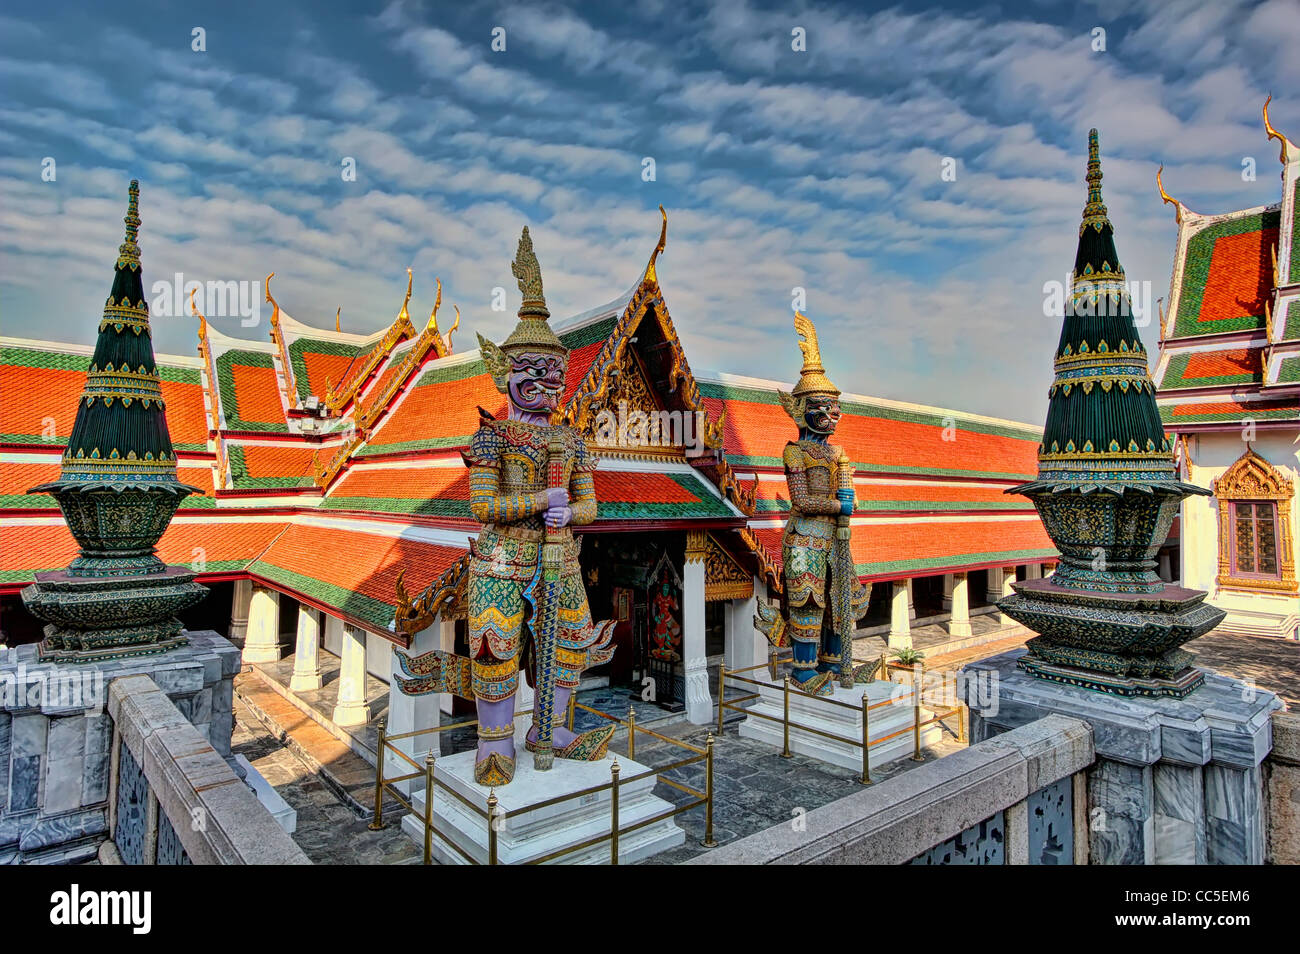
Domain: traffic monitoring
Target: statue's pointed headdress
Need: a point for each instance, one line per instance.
(533, 333)
(812, 377)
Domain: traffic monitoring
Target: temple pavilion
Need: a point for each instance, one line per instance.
(1228, 383)
(330, 464)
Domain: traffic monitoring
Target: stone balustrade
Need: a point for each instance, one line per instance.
(1017, 798)
(173, 798)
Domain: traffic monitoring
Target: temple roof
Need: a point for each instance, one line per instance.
(330, 509)
(1230, 339)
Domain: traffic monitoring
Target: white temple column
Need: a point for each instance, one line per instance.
(1005, 590)
(306, 653)
(745, 645)
(946, 603)
(911, 601)
(262, 643)
(959, 625)
(351, 708)
(409, 713)
(239, 611)
(900, 627)
(699, 703)
(1033, 571)
(1165, 569)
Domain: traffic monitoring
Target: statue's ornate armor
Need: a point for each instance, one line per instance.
(812, 475)
(507, 461)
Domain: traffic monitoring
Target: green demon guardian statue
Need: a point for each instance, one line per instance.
(815, 548)
(530, 483)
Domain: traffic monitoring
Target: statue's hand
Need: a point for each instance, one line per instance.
(557, 517)
(550, 499)
(847, 501)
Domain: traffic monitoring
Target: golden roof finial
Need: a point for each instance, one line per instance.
(812, 378)
(454, 325)
(1274, 134)
(650, 273)
(407, 300)
(338, 319)
(432, 324)
(1169, 199)
(275, 305)
(203, 322)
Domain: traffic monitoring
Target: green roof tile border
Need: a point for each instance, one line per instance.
(1196, 273)
(1174, 380)
(226, 386)
(303, 346)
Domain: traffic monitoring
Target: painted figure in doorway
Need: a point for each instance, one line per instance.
(819, 569)
(666, 632)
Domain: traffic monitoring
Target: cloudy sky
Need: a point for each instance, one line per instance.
(780, 168)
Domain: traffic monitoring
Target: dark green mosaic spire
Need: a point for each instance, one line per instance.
(1102, 422)
(120, 433)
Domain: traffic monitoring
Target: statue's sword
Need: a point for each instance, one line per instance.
(844, 574)
(547, 622)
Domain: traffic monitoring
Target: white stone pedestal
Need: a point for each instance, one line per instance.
(817, 712)
(537, 833)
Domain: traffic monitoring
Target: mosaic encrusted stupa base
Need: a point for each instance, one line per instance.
(1178, 686)
(93, 619)
(1122, 643)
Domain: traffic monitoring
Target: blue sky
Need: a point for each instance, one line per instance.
(819, 169)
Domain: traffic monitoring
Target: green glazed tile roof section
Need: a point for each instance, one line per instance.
(924, 506)
(757, 460)
(1292, 329)
(226, 387)
(1174, 379)
(1289, 371)
(728, 392)
(436, 443)
(1009, 556)
(1196, 272)
(581, 337)
(1234, 414)
(65, 361)
(415, 506)
(303, 346)
(344, 600)
(239, 474)
(1294, 273)
(706, 505)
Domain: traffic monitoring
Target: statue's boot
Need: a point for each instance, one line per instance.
(494, 763)
(589, 746)
(804, 674)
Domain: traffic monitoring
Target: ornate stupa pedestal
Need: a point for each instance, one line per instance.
(1178, 751)
(118, 492)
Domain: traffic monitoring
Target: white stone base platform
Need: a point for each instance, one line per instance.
(817, 712)
(535, 834)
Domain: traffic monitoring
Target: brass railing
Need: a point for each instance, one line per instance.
(866, 708)
(494, 818)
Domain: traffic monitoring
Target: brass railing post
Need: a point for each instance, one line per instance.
(722, 687)
(573, 698)
(963, 716)
(708, 794)
(377, 822)
(884, 668)
(613, 813)
(866, 741)
(631, 733)
(428, 808)
(492, 826)
(785, 721)
(916, 726)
